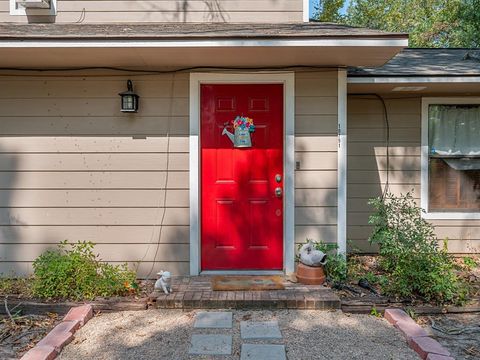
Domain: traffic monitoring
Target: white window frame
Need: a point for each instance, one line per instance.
(306, 11)
(21, 11)
(288, 80)
(451, 215)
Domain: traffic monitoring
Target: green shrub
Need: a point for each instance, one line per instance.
(469, 262)
(409, 253)
(73, 271)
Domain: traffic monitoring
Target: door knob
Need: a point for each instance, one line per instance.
(278, 192)
(278, 178)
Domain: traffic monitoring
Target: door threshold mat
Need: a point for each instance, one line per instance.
(247, 283)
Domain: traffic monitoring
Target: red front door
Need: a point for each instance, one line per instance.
(242, 214)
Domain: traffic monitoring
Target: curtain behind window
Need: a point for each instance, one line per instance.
(454, 129)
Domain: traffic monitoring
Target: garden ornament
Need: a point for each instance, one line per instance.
(243, 127)
(310, 256)
(164, 282)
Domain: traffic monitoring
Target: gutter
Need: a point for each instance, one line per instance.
(200, 43)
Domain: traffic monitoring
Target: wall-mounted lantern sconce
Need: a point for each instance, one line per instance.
(129, 99)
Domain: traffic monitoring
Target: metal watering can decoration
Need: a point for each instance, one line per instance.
(243, 127)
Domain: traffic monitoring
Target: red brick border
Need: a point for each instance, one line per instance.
(417, 338)
(50, 346)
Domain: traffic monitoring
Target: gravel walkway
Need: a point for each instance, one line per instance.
(166, 334)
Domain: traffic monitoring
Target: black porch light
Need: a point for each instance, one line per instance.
(129, 99)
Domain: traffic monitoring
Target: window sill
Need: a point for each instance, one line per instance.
(452, 216)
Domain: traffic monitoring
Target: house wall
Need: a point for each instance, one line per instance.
(316, 144)
(102, 11)
(72, 166)
(367, 164)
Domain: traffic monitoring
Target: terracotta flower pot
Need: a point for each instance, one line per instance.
(310, 275)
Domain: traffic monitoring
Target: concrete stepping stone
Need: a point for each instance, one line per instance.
(263, 352)
(260, 330)
(213, 320)
(211, 345)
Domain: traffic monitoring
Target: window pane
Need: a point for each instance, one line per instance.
(452, 189)
(454, 129)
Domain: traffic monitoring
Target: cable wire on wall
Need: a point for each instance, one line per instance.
(162, 204)
(142, 72)
(386, 189)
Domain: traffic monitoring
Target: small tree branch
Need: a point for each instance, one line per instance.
(8, 311)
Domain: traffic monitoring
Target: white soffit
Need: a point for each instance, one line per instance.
(157, 53)
(413, 80)
(417, 85)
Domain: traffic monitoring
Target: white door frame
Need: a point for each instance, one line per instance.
(288, 80)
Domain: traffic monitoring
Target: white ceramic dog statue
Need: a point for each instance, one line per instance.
(311, 256)
(164, 282)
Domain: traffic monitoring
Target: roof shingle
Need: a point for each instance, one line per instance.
(165, 31)
(426, 62)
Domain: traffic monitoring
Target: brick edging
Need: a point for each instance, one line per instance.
(50, 346)
(417, 338)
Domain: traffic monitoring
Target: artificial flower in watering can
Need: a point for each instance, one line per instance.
(242, 126)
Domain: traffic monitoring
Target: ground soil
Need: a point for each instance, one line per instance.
(459, 333)
(21, 334)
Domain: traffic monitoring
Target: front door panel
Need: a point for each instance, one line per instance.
(242, 214)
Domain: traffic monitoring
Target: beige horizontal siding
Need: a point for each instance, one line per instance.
(101, 234)
(94, 180)
(326, 124)
(312, 179)
(314, 197)
(367, 175)
(316, 156)
(90, 107)
(155, 17)
(104, 11)
(167, 252)
(103, 87)
(72, 166)
(85, 125)
(94, 216)
(95, 162)
(105, 198)
(316, 232)
(93, 144)
(143, 268)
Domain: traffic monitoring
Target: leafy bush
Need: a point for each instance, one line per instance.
(73, 271)
(409, 252)
(336, 265)
(469, 262)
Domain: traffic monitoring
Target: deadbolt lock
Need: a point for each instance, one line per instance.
(278, 192)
